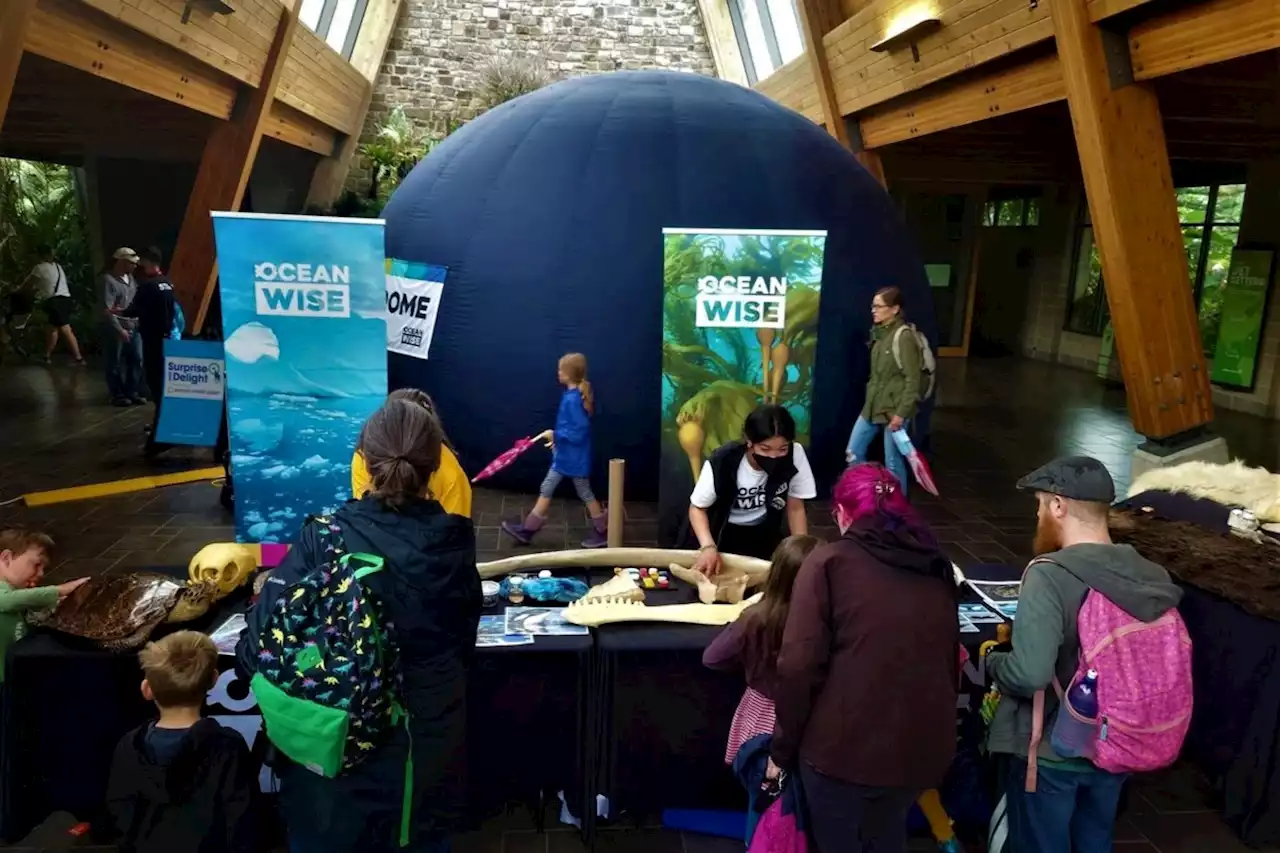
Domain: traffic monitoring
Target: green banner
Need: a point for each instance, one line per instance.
(740, 328)
(1244, 303)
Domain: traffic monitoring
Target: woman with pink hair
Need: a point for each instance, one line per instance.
(867, 670)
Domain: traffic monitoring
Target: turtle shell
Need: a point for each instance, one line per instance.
(116, 610)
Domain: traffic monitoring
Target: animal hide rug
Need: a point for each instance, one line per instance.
(1233, 484)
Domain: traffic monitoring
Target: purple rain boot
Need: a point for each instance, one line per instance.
(599, 537)
(524, 532)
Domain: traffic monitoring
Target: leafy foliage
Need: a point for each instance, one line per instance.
(39, 203)
(396, 148)
(508, 77)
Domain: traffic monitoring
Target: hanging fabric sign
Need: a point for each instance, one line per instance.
(303, 301)
(1243, 306)
(413, 302)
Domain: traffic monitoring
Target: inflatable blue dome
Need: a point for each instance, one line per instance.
(548, 212)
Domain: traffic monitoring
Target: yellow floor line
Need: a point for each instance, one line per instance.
(120, 487)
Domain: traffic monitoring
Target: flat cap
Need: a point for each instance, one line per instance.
(1079, 478)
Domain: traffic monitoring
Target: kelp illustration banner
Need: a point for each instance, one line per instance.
(740, 328)
(303, 311)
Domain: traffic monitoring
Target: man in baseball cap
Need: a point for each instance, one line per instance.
(1074, 803)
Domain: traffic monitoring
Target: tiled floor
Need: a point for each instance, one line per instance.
(996, 421)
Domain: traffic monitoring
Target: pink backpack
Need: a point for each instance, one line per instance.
(1144, 687)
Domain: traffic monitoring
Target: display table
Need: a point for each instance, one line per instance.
(1235, 728)
(664, 717)
(67, 704)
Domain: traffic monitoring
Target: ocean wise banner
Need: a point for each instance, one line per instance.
(303, 309)
(194, 388)
(740, 328)
(413, 303)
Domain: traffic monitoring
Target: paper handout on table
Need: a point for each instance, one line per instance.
(492, 631)
(1001, 595)
(228, 634)
(967, 627)
(541, 621)
(978, 614)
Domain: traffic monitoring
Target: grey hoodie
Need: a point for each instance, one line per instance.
(1045, 642)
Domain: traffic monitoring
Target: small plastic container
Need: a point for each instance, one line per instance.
(490, 590)
(515, 589)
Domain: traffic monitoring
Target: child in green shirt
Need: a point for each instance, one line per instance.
(23, 557)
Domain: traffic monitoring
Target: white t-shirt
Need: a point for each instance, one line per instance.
(750, 506)
(49, 280)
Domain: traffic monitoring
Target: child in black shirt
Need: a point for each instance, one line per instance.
(182, 783)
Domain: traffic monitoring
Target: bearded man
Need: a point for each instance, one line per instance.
(1073, 808)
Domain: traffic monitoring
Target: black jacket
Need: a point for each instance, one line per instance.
(724, 468)
(431, 591)
(153, 306)
(203, 801)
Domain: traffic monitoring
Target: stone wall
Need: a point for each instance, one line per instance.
(439, 47)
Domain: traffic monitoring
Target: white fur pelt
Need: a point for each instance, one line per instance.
(1233, 484)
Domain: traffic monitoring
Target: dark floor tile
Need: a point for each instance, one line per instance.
(524, 842)
(695, 843)
(1177, 790)
(1189, 833)
(477, 842)
(639, 841)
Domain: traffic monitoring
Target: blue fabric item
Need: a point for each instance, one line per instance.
(548, 212)
(749, 767)
(548, 589)
(572, 455)
(1069, 812)
(864, 432)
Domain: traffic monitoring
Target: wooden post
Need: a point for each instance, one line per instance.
(1125, 162)
(225, 166)
(617, 475)
(331, 172)
(15, 15)
(817, 18)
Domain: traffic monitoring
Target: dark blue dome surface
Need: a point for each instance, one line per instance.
(548, 212)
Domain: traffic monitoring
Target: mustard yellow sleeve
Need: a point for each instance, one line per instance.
(360, 482)
(450, 485)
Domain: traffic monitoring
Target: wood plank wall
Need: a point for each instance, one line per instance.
(792, 86)
(318, 82)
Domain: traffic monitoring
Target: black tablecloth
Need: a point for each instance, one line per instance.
(1235, 728)
(665, 718)
(67, 703)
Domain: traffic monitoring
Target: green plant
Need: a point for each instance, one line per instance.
(40, 204)
(396, 147)
(507, 77)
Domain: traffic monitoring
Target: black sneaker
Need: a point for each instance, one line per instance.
(120, 402)
(139, 401)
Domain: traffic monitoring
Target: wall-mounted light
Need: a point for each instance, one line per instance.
(220, 7)
(908, 29)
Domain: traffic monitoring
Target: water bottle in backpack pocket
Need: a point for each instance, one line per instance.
(1075, 732)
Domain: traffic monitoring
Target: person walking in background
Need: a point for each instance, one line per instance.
(121, 344)
(153, 307)
(53, 293)
(1072, 807)
(893, 387)
(570, 442)
(867, 671)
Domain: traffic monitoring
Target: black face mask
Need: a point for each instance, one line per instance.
(768, 464)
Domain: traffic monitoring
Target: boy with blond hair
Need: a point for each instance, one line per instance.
(182, 782)
(24, 555)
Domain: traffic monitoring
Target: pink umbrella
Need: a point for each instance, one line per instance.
(506, 459)
(919, 467)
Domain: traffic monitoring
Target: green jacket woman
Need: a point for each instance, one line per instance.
(892, 388)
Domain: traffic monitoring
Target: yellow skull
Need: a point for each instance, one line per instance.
(225, 564)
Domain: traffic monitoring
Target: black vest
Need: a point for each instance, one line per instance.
(724, 468)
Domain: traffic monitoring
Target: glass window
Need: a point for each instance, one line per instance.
(1210, 218)
(768, 33)
(335, 21)
(1011, 213)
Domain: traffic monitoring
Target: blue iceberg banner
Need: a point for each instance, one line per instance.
(194, 389)
(303, 310)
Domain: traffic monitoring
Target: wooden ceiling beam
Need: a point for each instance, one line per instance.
(1202, 34)
(983, 96)
(225, 166)
(15, 19)
(816, 20)
(1129, 184)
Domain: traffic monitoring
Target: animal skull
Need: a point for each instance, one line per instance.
(226, 565)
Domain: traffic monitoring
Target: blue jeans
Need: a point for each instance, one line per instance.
(860, 439)
(1070, 811)
(122, 363)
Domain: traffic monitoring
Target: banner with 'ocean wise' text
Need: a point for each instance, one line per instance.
(303, 302)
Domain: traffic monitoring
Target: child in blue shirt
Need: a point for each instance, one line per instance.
(570, 443)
